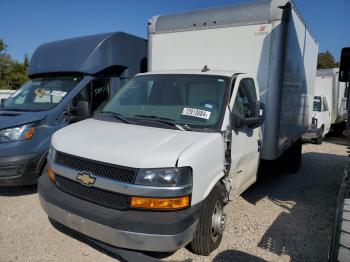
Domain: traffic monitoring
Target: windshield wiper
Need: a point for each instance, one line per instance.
(166, 121)
(116, 115)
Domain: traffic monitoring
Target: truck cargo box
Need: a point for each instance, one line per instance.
(327, 83)
(268, 39)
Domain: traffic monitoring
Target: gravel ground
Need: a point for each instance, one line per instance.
(282, 218)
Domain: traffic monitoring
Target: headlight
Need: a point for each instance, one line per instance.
(14, 134)
(314, 122)
(165, 177)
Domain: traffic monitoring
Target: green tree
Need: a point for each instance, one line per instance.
(26, 60)
(2, 46)
(12, 73)
(326, 60)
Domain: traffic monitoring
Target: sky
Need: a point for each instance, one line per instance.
(24, 25)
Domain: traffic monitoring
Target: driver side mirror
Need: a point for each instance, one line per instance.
(344, 68)
(3, 101)
(81, 112)
(239, 121)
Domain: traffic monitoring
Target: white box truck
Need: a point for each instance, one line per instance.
(330, 106)
(327, 79)
(154, 170)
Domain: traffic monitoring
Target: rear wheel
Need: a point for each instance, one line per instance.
(290, 161)
(211, 224)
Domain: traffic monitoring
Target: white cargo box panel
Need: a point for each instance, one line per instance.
(327, 83)
(256, 38)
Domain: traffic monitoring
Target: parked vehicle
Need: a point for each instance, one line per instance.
(327, 81)
(70, 81)
(154, 170)
(5, 94)
(322, 108)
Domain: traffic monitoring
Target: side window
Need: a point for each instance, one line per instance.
(100, 94)
(325, 105)
(245, 102)
(96, 93)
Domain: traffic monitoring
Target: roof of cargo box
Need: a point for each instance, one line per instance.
(259, 12)
(89, 54)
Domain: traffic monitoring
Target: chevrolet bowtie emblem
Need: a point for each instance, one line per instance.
(86, 179)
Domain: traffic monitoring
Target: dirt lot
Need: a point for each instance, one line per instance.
(283, 218)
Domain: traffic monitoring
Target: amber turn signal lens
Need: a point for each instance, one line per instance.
(29, 134)
(160, 203)
(51, 175)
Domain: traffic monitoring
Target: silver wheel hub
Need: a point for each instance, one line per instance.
(217, 221)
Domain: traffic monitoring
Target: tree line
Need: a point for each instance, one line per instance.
(13, 74)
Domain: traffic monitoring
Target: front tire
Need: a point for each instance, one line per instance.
(319, 140)
(211, 224)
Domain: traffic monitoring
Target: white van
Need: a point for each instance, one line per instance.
(155, 169)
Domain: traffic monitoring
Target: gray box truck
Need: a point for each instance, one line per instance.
(228, 86)
(70, 80)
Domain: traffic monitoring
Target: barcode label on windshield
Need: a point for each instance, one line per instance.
(196, 113)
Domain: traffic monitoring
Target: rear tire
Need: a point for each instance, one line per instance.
(291, 159)
(211, 224)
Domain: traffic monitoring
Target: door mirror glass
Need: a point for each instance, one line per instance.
(239, 121)
(344, 69)
(3, 101)
(83, 110)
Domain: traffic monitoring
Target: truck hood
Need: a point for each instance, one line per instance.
(14, 118)
(125, 144)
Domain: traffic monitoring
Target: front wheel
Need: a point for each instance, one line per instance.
(319, 139)
(211, 224)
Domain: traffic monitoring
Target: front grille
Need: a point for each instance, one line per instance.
(11, 170)
(93, 194)
(118, 173)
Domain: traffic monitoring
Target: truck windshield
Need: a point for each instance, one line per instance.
(317, 104)
(41, 94)
(188, 100)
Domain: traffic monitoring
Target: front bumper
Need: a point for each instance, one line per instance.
(131, 229)
(21, 169)
(313, 133)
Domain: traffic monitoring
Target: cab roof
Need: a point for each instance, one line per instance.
(89, 54)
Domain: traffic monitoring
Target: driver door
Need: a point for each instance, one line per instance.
(245, 141)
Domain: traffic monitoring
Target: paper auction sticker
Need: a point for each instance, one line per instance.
(196, 113)
(58, 93)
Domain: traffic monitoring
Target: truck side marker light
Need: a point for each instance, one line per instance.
(160, 203)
